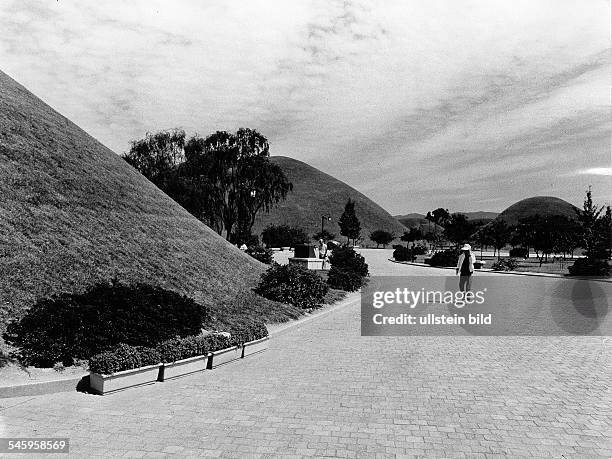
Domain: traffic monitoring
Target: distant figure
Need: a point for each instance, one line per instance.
(243, 247)
(322, 252)
(465, 268)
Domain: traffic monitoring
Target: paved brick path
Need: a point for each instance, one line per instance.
(323, 390)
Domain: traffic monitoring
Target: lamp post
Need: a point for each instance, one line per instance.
(323, 218)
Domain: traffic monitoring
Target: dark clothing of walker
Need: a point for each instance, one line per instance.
(465, 276)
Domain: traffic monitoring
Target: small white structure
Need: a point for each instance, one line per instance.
(308, 263)
(306, 256)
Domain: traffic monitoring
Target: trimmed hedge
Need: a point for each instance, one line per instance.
(589, 267)
(402, 253)
(245, 330)
(445, 258)
(123, 357)
(293, 285)
(519, 252)
(68, 327)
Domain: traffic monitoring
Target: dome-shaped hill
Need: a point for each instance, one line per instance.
(542, 205)
(73, 213)
(316, 193)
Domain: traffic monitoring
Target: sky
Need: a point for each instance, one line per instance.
(465, 104)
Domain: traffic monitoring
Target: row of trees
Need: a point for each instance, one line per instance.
(590, 230)
(224, 180)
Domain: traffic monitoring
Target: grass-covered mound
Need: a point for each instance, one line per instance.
(316, 193)
(73, 214)
(544, 206)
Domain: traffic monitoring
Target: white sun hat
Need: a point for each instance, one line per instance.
(466, 247)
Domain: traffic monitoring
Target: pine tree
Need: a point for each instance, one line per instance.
(349, 223)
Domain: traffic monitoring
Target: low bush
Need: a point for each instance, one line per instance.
(293, 285)
(505, 264)
(347, 259)
(246, 329)
(589, 267)
(123, 357)
(444, 258)
(341, 279)
(519, 252)
(260, 253)
(403, 254)
(77, 326)
(126, 357)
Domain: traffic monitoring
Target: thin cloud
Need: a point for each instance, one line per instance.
(596, 171)
(401, 99)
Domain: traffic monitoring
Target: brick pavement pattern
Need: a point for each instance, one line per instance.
(323, 390)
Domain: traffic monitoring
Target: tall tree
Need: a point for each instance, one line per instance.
(595, 230)
(412, 235)
(224, 179)
(349, 223)
(458, 229)
(157, 154)
(381, 237)
(498, 233)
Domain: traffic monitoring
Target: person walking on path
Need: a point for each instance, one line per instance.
(322, 252)
(465, 268)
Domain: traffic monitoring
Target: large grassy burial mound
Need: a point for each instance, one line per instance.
(73, 213)
(542, 205)
(316, 193)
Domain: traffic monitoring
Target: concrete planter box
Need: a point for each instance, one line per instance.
(224, 356)
(104, 384)
(183, 367)
(253, 347)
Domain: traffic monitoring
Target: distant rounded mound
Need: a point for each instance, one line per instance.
(73, 213)
(316, 193)
(541, 205)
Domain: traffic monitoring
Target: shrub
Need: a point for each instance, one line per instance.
(191, 346)
(123, 357)
(293, 285)
(402, 253)
(260, 253)
(505, 264)
(347, 259)
(246, 329)
(448, 257)
(344, 280)
(519, 252)
(77, 326)
(589, 267)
